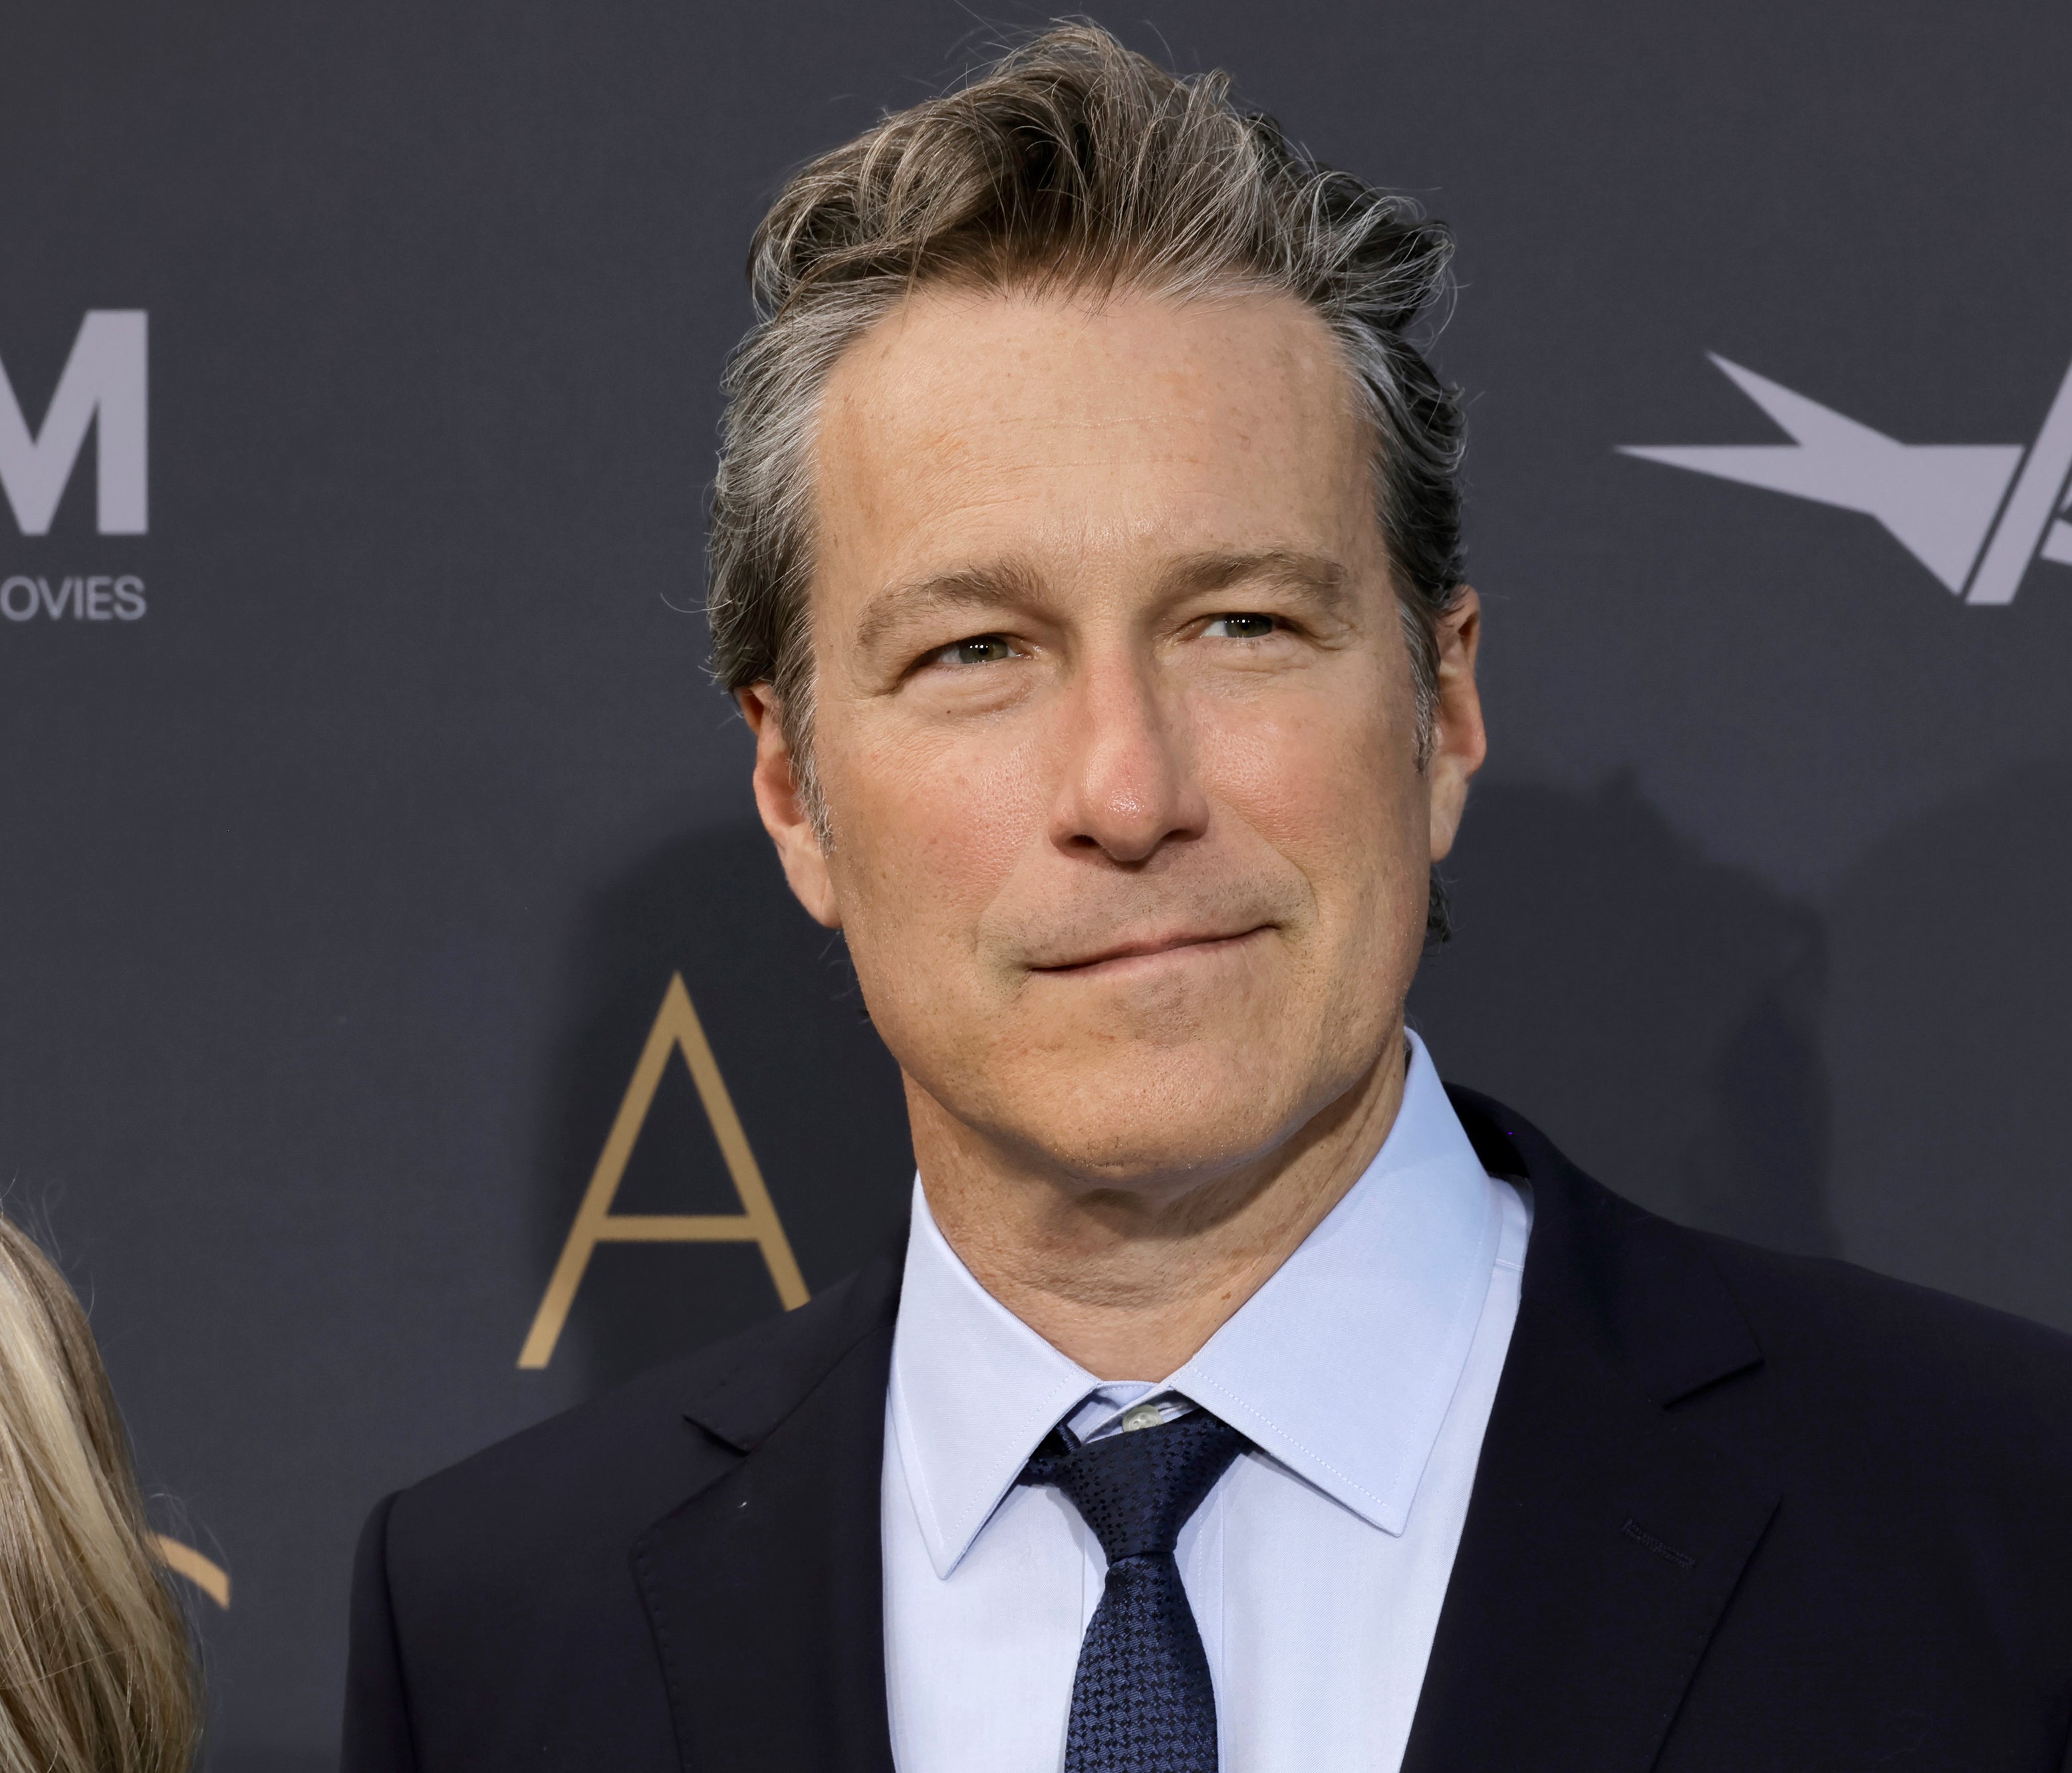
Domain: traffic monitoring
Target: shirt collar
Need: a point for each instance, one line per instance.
(1341, 1368)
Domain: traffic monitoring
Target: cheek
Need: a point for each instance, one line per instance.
(1329, 781)
(926, 831)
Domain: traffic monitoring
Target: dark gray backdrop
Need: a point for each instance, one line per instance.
(338, 893)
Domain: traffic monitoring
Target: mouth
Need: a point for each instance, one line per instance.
(1181, 947)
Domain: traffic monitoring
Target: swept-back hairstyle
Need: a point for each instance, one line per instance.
(97, 1674)
(1072, 163)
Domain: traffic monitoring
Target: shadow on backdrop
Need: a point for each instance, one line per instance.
(1951, 1043)
(1657, 1013)
(817, 1094)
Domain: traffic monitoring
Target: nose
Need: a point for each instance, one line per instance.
(1128, 787)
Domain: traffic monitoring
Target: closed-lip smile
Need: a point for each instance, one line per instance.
(1176, 944)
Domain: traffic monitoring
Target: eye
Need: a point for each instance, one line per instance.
(1241, 627)
(980, 649)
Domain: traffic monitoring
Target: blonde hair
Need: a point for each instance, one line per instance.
(96, 1673)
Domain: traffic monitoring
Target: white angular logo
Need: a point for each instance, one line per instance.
(1976, 515)
(104, 385)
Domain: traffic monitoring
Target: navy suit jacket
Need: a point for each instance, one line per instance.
(1736, 1512)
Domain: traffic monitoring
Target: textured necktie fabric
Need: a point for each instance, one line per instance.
(1142, 1701)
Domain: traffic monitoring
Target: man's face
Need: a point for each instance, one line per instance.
(1116, 727)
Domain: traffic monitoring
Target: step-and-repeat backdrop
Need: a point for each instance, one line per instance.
(404, 1029)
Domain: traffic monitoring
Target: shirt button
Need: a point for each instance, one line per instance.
(1142, 1416)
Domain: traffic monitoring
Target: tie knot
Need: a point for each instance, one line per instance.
(1137, 1489)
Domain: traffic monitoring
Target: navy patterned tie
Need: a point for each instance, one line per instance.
(1141, 1700)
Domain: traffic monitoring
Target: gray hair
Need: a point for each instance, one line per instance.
(1072, 163)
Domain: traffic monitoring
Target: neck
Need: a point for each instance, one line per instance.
(1129, 1282)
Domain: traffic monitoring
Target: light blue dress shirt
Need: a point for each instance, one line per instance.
(1363, 1372)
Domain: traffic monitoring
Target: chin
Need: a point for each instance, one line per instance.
(1140, 1125)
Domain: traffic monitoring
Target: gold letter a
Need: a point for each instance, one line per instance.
(675, 1026)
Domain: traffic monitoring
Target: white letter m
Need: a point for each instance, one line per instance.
(104, 378)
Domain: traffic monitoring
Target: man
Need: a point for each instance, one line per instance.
(1086, 563)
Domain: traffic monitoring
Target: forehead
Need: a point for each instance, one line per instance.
(970, 422)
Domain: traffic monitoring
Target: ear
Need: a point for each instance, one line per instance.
(1458, 741)
(783, 807)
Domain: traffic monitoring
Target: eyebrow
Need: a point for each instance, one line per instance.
(1328, 580)
(967, 588)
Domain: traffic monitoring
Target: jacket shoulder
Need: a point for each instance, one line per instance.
(1914, 1357)
(598, 1475)
(1807, 1353)
(499, 1617)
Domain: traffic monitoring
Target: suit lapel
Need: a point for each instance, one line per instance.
(765, 1590)
(1603, 1541)
(1600, 1549)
